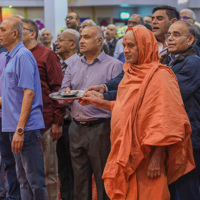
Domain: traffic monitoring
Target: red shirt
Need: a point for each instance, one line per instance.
(51, 79)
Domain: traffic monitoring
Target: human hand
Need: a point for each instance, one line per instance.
(56, 132)
(154, 166)
(97, 88)
(17, 142)
(91, 97)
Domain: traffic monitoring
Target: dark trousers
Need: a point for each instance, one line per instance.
(65, 170)
(89, 148)
(8, 162)
(187, 187)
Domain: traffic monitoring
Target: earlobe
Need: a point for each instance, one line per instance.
(191, 39)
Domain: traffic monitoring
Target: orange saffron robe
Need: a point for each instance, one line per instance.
(148, 112)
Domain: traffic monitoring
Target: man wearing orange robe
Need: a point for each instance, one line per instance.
(150, 130)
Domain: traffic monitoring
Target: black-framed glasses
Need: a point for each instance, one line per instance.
(70, 18)
(175, 35)
(28, 29)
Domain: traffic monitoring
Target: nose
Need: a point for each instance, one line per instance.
(125, 49)
(81, 41)
(154, 21)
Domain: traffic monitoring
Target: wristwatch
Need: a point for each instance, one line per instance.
(20, 130)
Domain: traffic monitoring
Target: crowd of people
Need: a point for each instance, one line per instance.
(136, 127)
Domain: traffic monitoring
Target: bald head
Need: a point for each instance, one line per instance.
(87, 22)
(11, 31)
(17, 16)
(46, 37)
(111, 32)
(91, 40)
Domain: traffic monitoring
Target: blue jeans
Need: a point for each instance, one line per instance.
(2, 184)
(30, 167)
(8, 162)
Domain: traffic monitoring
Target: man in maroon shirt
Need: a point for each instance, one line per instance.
(51, 79)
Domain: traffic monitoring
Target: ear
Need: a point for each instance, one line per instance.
(72, 45)
(100, 41)
(173, 20)
(191, 39)
(33, 35)
(15, 34)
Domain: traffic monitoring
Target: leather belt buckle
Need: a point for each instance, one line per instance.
(83, 123)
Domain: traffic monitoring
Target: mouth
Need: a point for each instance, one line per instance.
(171, 45)
(155, 28)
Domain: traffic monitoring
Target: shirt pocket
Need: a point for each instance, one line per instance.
(11, 80)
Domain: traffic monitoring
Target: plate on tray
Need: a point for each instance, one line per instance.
(77, 94)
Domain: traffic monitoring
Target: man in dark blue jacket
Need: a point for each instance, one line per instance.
(185, 63)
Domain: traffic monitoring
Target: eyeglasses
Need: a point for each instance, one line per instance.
(186, 17)
(28, 29)
(175, 35)
(70, 18)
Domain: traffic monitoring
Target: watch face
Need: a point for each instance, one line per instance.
(20, 130)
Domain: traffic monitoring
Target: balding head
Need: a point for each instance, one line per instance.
(87, 22)
(17, 16)
(111, 32)
(91, 40)
(67, 43)
(134, 20)
(11, 31)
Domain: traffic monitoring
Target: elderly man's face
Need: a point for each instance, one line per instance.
(133, 21)
(72, 21)
(130, 48)
(89, 42)
(148, 20)
(83, 25)
(6, 33)
(63, 43)
(160, 24)
(187, 16)
(179, 38)
(111, 32)
(47, 36)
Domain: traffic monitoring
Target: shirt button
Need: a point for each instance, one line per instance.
(86, 76)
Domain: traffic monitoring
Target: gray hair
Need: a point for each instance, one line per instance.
(32, 25)
(91, 22)
(75, 36)
(18, 26)
(190, 11)
(141, 21)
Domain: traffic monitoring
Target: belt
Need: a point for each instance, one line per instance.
(91, 123)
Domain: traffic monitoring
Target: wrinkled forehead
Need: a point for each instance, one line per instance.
(179, 27)
(6, 24)
(129, 37)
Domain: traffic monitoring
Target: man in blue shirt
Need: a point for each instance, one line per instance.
(22, 111)
(7, 161)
